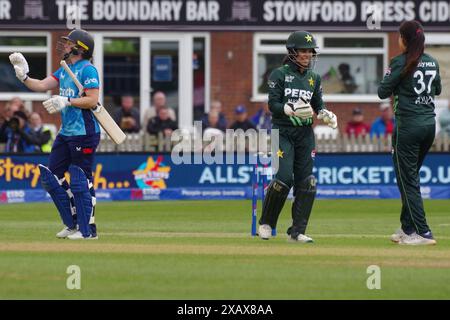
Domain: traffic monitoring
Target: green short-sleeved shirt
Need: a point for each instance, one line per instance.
(413, 94)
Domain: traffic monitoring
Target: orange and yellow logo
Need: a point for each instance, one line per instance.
(152, 174)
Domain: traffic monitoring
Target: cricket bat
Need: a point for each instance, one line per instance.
(100, 113)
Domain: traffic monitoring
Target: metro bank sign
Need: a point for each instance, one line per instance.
(222, 14)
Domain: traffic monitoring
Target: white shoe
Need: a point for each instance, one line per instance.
(64, 233)
(78, 236)
(398, 235)
(301, 238)
(416, 240)
(265, 231)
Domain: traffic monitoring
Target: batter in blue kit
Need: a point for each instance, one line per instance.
(74, 147)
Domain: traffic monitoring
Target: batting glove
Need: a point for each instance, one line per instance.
(20, 65)
(328, 117)
(56, 104)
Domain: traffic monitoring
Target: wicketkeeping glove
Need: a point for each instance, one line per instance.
(20, 65)
(56, 104)
(328, 117)
(301, 109)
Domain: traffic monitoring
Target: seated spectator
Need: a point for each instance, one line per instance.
(383, 125)
(357, 126)
(444, 120)
(262, 119)
(41, 136)
(127, 117)
(162, 123)
(216, 106)
(213, 121)
(242, 121)
(159, 101)
(12, 132)
(8, 111)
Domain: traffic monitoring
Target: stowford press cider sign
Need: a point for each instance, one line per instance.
(222, 14)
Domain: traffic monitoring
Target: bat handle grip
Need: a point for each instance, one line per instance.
(97, 108)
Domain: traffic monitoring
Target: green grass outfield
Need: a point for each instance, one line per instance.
(203, 250)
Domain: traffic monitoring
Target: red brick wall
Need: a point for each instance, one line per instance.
(393, 48)
(231, 70)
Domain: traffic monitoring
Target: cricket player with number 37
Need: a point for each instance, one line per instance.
(295, 94)
(413, 78)
(78, 138)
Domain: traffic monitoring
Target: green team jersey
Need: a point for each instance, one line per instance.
(413, 94)
(287, 84)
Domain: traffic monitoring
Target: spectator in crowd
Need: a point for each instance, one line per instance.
(12, 133)
(357, 126)
(41, 136)
(18, 102)
(383, 125)
(213, 121)
(127, 117)
(263, 117)
(348, 81)
(8, 111)
(242, 121)
(159, 101)
(444, 120)
(216, 106)
(162, 123)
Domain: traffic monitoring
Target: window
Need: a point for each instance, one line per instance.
(121, 70)
(198, 64)
(441, 54)
(351, 66)
(350, 74)
(35, 49)
(438, 46)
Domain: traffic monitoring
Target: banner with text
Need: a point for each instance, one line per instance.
(156, 177)
(222, 14)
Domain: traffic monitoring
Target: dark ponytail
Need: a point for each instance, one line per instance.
(414, 40)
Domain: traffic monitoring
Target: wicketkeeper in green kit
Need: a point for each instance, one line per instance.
(295, 94)
(413, 78)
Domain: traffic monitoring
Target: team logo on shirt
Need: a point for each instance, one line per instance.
(288, 78)
(91, 80)
(271, 84)
(66, 92)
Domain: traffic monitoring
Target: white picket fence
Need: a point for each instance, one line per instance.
(140, 142)
(143, 142)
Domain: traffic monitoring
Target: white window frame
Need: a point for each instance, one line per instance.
(207, 37)
(186, 88)
(437, 39)
(281, 49)
(444, 40)
(28, 96)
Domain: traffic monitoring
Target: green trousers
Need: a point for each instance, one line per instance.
(295, 154)
(410, 146)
